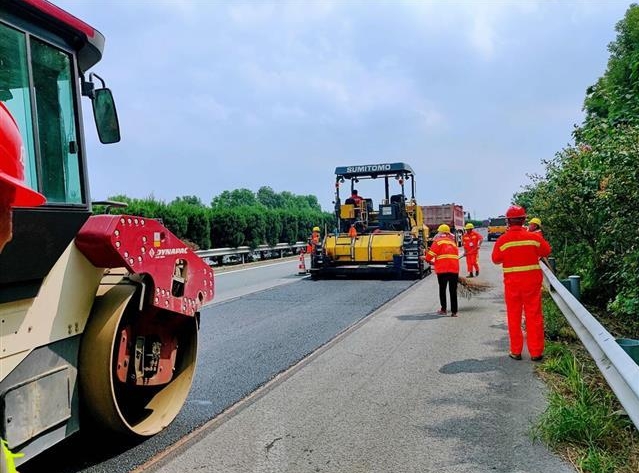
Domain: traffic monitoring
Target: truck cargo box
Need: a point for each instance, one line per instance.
(450, 214)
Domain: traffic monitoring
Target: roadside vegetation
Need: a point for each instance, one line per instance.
(588, 201)
(234, 218)
(583, 422)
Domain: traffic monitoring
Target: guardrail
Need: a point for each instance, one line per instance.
(620, 371)
(245, 250)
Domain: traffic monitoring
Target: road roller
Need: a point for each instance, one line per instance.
(99, 313)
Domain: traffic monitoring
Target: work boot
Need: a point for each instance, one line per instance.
(515, 356)
(470, 275)
(476, 273)
(441, 311)
(537, 358)
(453, 314)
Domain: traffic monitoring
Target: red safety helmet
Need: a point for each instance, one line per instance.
(516, 211)
(11, 166)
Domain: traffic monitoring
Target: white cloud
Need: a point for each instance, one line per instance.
(291, 13)
(288, 112)
(482, 37)
(430, 118)
(209, 106)
(471, 84)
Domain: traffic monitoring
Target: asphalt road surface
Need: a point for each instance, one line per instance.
(246, 339)
(406, 390)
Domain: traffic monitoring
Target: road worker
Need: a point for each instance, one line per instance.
(357, 199)
(314, 240)
(472, 242)
(519, 251)
(444, 255)
(534, 225)
(13, 193)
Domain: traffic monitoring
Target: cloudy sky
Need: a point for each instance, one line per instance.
(215, 96)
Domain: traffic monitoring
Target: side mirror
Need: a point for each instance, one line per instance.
(106, 117)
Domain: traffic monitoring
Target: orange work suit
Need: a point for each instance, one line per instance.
(357, 200)
(312, 242)
(444, 255)
(519, 251)
(537, 230)
(472, 241)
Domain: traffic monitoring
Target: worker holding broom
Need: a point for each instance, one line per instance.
(472, 241)
(444, 255)
(519, 251)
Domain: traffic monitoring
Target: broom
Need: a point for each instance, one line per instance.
(468, 288)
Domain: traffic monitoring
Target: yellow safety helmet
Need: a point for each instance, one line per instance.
(536, 221)
(469, 226)
(316, 229)
(443, 228)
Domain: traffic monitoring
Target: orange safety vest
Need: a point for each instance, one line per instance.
(312, 242)
(538, 231)
(471, 241)
(357, 199)
(444, 254)
(519, 251)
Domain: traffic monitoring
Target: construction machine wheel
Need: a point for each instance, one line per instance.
(126, 407)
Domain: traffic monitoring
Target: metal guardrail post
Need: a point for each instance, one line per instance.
(553, 264)
(619, 370)
(575, 286)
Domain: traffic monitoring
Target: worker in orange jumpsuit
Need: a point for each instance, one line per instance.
(444, 255)
(519, 251)
(357, 199)
(13, 193)
(314, 240)
(534, 225)
(472, 241)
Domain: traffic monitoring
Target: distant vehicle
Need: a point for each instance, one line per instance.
(383, 239)
(450, 214)
(231, 259)
(253, 256)
(496, 227)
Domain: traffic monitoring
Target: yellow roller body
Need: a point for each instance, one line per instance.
(372, 248)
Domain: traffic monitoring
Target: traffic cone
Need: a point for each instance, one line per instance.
(301, 268)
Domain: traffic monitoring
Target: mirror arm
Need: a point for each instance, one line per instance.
(92, 75)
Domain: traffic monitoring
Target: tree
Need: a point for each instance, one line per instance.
(588, 198)
(269, 198)
(189, 200)
(235, 198)
(614, 99)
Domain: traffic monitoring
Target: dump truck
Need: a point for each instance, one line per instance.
(449, 214)
(99, 313)
(383, 239)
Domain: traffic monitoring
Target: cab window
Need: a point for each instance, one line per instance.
(45, 112)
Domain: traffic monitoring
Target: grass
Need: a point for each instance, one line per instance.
(583, 422)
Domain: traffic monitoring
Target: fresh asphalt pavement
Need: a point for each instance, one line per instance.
(405, 390)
